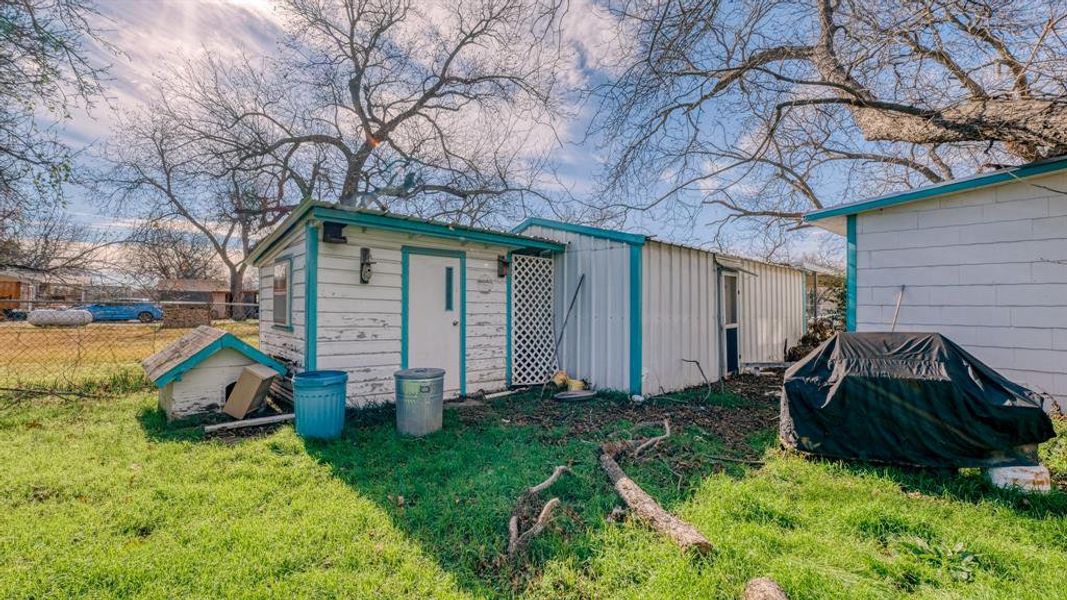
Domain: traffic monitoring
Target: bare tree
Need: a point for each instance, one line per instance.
(164, 251)
(428, 108)
(45, 73)
(770, 108)
(50, 242)
(162, 172)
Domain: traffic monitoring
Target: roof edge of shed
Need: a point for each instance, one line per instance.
(972, 182)
(633, 239)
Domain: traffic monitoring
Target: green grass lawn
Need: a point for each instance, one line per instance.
(100, 498)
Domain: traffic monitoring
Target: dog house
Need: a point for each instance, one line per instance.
(196, 372)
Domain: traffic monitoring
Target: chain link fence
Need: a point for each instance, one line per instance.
(105, 353)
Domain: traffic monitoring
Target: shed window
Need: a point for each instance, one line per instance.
(729, 297)
(282, 296)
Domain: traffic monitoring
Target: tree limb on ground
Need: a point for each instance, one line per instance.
(763, 588)
(517, 541)
(644, 506)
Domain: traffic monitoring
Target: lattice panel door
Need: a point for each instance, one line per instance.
(533, 356)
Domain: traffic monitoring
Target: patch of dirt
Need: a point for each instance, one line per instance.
(734, 425)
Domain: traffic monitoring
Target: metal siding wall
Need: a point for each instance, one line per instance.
(680, 317)
(772, 311)
(595, 344)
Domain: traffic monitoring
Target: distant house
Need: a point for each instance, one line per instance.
(213, 292)
(20, 287)
(982, 260)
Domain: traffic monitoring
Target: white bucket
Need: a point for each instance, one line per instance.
(1026, 479)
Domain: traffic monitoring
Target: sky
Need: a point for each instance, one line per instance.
(151, 33)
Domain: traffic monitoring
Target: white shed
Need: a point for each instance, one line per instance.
(195, 373)
(370, 293)
(647, 309)
(982, 260)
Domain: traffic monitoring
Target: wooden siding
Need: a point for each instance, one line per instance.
(275, 341)
(359, 325)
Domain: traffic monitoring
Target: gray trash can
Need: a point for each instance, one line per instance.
(419, 400)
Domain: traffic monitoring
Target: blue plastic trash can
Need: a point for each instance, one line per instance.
(319, 403)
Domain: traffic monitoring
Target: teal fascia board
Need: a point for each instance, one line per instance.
(948, 187)
(311, 296)
(374, 220)
(850, 276)
(405, 295)
(636, 342)
(405, 225)
(227, 341)
(604, 234)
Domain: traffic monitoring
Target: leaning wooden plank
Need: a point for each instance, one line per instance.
(249, 423)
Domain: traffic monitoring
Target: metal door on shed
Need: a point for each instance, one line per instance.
(731, 334)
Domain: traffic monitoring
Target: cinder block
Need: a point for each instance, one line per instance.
(874, 222)
(1039, 316)
(1032, 208)
(963, 295)
(1049, 361)
(962, 215)
(1000, 231)
(1050, 228)
(999, 273)
(910, 276)
(1059, 340)
(976, 315)
(1046, 294)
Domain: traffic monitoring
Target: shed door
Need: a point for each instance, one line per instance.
(731, 300)
(434, 319)
(533, 343)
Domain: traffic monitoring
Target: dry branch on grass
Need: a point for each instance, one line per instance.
(644, 506)
(517, 541)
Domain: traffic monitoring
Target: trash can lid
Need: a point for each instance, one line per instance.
(319, 378)
(419, 373)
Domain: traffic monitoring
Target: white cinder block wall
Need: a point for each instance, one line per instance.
(987, 268)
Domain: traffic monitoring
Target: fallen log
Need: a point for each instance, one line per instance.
(644, 506)
(763, 588)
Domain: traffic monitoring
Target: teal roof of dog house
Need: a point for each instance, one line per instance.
(194, 348)
(376, 219)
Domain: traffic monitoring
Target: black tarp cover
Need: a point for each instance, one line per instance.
(908, 398)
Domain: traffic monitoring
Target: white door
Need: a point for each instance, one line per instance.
(435, 317)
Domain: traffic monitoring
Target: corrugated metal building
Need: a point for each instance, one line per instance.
(648, 312)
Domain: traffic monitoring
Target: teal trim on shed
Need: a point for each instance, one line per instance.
(227, 341)
(322, 211)
(311, 296)
(850, 276)
(605, 234)
(636, 321)
(948, 187)
(507, 326)
(405, 280)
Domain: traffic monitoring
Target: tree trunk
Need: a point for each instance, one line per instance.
(237, 274)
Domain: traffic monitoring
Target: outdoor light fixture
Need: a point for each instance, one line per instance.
(503, 266)
(365, 263)
(333, 233)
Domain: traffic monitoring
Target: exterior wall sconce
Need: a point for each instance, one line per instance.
(365, 262)
(503, 266)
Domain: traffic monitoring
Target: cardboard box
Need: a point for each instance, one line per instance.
(250, 391)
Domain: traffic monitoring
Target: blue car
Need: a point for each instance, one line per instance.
(125, 310)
